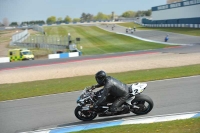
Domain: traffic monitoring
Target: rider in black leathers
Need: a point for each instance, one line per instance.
(113, 87)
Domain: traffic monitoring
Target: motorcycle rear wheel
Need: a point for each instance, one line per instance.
(144, 102)
(84, 115)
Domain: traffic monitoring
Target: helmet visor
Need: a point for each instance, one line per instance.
(100, 80)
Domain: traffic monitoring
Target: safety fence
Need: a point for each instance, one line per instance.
(38, 28)
(39, 41)
(48, 39)
(19, 37)
(52, 47)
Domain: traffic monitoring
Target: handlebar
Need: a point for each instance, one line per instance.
(90, 88)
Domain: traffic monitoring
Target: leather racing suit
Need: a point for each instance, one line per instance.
(116, 88)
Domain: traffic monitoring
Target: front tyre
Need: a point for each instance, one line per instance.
(144, 102)
(84, 115)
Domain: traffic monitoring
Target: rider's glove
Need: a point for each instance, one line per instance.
(93, 87)
(89, 88)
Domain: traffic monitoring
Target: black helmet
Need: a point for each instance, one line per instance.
(100, 77)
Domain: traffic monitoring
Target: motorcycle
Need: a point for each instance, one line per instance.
(137, 103)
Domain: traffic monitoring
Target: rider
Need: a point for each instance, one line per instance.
(113, 87)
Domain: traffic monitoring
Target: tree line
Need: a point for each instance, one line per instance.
(85, 17)
(100, 16)
(25, 23)
(130, 14)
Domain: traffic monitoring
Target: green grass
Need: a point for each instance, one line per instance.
(45, 87)
(187, 31)
(6, 31)
(97, 41)
(39, 53)
(178, 126)
(5, 39)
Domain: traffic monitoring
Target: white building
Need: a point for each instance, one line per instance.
(184, 12)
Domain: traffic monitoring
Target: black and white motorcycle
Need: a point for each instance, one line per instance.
(137, 103)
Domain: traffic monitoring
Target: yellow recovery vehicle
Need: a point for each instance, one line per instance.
(20, 54)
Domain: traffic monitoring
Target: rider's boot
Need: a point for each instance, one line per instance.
(107, 113)
(123, 109)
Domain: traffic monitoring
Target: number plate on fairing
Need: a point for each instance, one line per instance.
(138, 88)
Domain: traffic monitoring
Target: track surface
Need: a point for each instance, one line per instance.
(169, 96)
(156, 35)
(195, 48)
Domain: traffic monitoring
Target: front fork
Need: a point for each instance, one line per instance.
(128, 101)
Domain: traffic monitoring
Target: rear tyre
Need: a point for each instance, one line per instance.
(145, 104)
(86, 115)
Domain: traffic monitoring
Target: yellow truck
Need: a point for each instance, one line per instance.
(20, 54)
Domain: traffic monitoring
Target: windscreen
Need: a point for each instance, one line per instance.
(26, 53)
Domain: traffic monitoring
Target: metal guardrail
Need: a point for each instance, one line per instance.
(52, 47)
(40, 41)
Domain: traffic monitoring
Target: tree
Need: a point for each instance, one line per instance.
(147, 13)
(59, 19)
(1, 24)
(5, 22)
(41, 22)
(14, 24)
(37, 22)
(25, 23)
(67, 19)
(86, 17)
(139, 14)
(129, 14)
(75, 20)
(31, 23)
(51, 20)
(143, 13)
(101, 16)
(89, 17)
(110, 17)
(83, 17)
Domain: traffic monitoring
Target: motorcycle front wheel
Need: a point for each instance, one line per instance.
(84, 115)
(145, 104)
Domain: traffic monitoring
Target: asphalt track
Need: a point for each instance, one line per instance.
(195, 48)
(169, 96)
(155, 35)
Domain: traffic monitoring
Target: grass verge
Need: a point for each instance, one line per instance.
(97, 41)
(177, 126)
(53, 86)
(187, 31)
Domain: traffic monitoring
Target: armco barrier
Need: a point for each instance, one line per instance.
(4, 59)
(53, 56)
(50, 56)
(64, 55)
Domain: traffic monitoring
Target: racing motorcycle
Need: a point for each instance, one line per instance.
(137, 103)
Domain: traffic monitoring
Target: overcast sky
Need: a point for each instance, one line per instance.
(27, 10)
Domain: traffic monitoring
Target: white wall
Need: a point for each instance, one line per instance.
(180, 12)
(4, 59)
